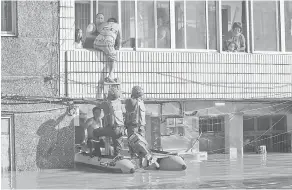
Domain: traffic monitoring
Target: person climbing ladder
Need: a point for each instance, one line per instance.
(108, 41)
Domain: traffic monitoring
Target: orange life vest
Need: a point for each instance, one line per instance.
(115, 115)
(135, 115)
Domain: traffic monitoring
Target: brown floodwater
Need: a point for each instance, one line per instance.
(252, 171)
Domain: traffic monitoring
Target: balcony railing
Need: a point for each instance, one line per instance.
(179, 75)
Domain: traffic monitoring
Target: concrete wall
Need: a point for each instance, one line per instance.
(42, 139)
(33, 53)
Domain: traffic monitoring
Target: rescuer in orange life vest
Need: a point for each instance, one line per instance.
(135, 112)
(113, 120)
(135, 123)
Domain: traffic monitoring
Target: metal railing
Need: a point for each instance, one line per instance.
(179, 75)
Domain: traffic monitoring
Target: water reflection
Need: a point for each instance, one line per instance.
(251, 171)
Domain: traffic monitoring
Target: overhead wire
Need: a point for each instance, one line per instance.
(35, 111)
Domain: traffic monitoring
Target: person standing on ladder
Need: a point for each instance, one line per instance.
(113, 120)
(108, 41)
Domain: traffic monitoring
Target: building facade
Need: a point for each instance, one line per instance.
(176, 50)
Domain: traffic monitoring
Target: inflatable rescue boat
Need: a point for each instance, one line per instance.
(169, 161)
(105, 163)
(161, 160)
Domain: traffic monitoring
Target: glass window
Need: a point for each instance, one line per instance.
(203, 125)
(279, 122)
(179, 25)
(163, 24)
(146, 24)
(266, 25)
(234, 26)
(248, 123)
(5, 126)
(288, 25)
(5, 145)
(199, 35)
(263, 123)
(82, 15)
(212, 25)
(109, 9)
(196, 25)
(211, 124)
(8, 17)
(128, 23)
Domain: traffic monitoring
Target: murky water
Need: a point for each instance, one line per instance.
(253, 171)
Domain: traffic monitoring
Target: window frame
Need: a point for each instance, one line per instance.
(172, 30)
(250, 45)
(11, 139)
(280, 30)
(248, 39)
(13, 20)
(204, 120)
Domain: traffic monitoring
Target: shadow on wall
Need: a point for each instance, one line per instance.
(80, 133)
(56, 146)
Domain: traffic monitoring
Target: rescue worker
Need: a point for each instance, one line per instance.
(113, 120)
(135, 122)
(92, 124)
(135, 112)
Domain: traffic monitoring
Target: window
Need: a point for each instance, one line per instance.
(263, 123)
(192, 25)
(128, 24)
(82, 15)
(234, 16)
(211, 124)
(109, 9)
(248, 123)
(288, 25)
(195, 25)
(275, 122)
(266, 26)
(163, 25)
(279, 122)
(8, 18)
(146, 24)
(7, 149)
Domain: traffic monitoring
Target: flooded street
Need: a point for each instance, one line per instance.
(253, 171)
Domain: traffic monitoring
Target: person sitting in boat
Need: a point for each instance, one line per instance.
(92, 124)
(135, 113)
(113, 120)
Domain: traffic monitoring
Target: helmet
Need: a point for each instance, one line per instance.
(113, 93)
(137, 92)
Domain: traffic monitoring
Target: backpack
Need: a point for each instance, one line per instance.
(137, 117)
(115, 116)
